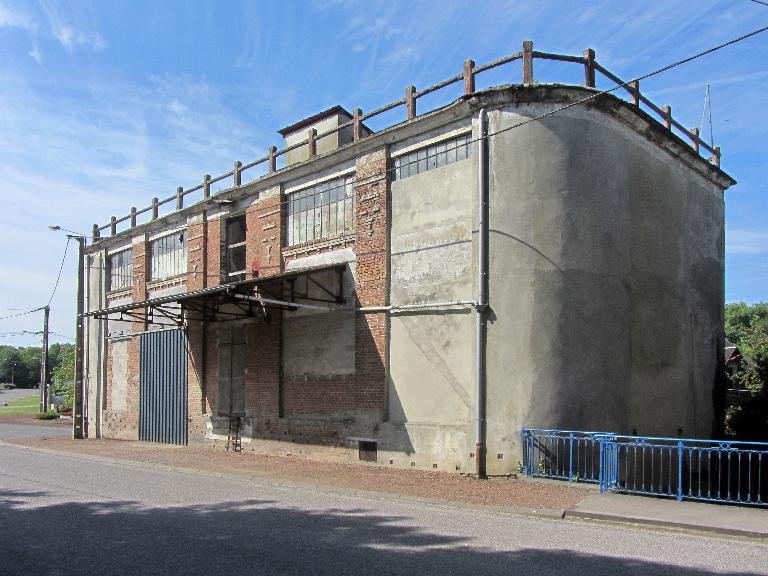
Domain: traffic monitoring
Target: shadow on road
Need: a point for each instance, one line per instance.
(257, 537)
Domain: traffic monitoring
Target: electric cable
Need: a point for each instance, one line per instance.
(61, 267)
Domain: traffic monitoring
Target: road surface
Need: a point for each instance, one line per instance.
(64, 514)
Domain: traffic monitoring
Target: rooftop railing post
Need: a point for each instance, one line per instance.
(155, 202)
(695, 139)
(410, 101)
(528, 62)
(179, 198)
(469, 77)
(312, 142)
(272, 159)
(667, 110)
(96, 232)
(133, 216)
(113, 225)
(357, 116)
(716, 157)
(635, 85)
(237, 173)
(207, 186)
(589, 68)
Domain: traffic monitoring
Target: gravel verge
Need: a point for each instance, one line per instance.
(518, 494)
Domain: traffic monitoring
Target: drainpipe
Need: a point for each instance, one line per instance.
(482, 296)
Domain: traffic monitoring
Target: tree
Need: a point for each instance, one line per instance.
(747, 327)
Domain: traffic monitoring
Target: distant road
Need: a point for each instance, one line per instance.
(63, 514)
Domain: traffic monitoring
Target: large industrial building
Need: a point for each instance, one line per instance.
(416, 294)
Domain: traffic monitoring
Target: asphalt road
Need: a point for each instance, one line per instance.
(63, 514)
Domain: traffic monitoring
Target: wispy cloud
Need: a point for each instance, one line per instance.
(12, 17)
(745, 242)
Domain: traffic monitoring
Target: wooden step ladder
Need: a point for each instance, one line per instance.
(233, 438)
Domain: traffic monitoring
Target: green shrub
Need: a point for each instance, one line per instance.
(52, 415)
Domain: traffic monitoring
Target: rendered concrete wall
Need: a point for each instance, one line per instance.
(431, 378)
(606, 282)
(94, 342)
(330, 142)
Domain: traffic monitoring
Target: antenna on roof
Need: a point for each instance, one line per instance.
(707, 105)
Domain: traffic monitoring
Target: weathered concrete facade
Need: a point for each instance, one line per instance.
(605, 285)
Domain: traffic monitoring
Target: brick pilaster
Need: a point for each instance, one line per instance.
(264, 222)
(197, 267)
(371, 268)
(213, 252)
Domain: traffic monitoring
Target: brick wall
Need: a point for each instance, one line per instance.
(197, 261)
(213, 253)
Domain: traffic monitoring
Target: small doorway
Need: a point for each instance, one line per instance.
(232, 363)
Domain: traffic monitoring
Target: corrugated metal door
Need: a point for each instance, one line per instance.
(163, 387)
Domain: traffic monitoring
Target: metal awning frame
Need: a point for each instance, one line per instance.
(208, 303)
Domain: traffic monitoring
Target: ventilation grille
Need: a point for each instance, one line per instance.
(368, 451)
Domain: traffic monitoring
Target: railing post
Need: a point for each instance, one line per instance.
(570, 456)
(113, 225)
(469, 77)
(133, 216)
(237, 173)
(667, 110)
(154, 208)
(207, 186)
(589, 68)
(527, 62)
(410, 101)
(695, 139)
(716, 158)
(312, 142)
(357, 119)
(635, 85)
(679, 469)
(96, 232)
(272, 159)
(179, 198)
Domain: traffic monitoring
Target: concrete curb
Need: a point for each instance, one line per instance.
(575, 514)
(539, 513)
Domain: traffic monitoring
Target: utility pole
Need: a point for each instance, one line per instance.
(13, 373)
(78, 425)
(44, 396)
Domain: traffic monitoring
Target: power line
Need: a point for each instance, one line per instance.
(22, 313)
(759, 2)
(61, 267)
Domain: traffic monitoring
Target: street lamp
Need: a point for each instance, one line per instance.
(78, 424)
(13, 372)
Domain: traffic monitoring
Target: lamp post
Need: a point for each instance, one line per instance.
(78, 425)
(13, 373)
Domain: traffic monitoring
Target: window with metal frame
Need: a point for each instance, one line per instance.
(235, 238)
(120, 270)
(431, 157)
(168, 256)
(321, 212)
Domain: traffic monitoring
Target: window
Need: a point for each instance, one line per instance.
(433, 156)
(235, 235)
(168, 256)
(322, 211)
(120, 270)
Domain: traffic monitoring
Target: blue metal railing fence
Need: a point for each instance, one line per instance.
(681, 468)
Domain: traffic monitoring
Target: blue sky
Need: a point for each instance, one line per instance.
(104, 105)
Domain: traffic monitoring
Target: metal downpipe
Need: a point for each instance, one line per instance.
(482, 297)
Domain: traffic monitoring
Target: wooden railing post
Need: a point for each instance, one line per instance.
(695, 139)
(667, 110)
(527, 62)
(272, 159)
(410, 101)
(207, 186)
(312, 142)
(237, 173)
(133, 216)
(96, 232)
(589, 68)
(113, 225)
(357, 118)
(469, 77)
(179, 198)
(716, 158)
(154, 208)
(635, 85)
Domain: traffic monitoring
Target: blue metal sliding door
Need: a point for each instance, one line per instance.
(163, 387)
